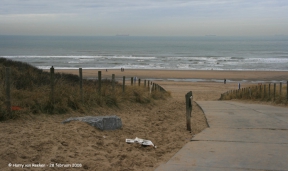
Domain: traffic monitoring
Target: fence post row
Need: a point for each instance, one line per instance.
(52, 84)
(188, 99)
(7, 87)
(287, 91)
(81, 84)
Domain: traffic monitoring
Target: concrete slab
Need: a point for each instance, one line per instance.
(281, 116)
(258, 106)
(243, 135)
(244, 119)
(224, 105)
(229, 155)
(224, 115)
(240, 137)
(218, 105)
(180, 167)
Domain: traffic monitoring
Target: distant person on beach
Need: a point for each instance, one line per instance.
(239, 86)
(106, 70)
(225, 81)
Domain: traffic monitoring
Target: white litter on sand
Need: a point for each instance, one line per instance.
(141, 141)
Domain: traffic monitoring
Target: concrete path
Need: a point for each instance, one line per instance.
(240, 137)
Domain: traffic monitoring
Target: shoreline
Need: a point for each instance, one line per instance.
(177, 75)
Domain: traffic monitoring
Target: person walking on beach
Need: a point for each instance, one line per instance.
(239, 86)
(224, 80)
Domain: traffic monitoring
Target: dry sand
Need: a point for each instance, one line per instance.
(44, 139)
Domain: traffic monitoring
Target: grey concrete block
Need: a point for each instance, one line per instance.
(101, 122)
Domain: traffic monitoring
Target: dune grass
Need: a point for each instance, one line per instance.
(31, 92)
(260, 93)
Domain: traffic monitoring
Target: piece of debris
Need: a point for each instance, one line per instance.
(14, 108)
(141, 141)
(101, 122)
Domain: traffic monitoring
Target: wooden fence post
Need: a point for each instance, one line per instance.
(99, 82)
(148, 84)
(269, 87)
(264, 91)
(287, 91)
(123, 84)
(113, 82)
(280, 91)
(7, 87)
(81, 84)
(188, 99)
(139, 81)
(131, 80)
(274, 91)
(144, 83)
(52, 84)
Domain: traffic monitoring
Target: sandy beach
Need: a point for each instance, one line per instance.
(44, 139)
(186, 74)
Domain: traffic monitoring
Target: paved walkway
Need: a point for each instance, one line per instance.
(240, 137)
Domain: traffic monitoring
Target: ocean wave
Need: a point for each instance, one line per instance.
(74, 57)
(173, 63)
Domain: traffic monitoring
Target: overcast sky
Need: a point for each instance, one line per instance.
(144, 17)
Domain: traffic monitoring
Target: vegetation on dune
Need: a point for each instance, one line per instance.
(31, 90)
(259, 93)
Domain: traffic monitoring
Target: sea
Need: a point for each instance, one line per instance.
(136, 52)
